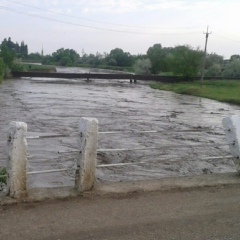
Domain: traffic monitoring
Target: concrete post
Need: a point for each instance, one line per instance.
(87, 159)
(232, 130)
(17, 160)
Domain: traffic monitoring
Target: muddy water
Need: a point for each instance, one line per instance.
(54, 106)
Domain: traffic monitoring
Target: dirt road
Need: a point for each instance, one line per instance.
(202, 213)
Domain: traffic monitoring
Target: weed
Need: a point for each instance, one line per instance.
(3, 172)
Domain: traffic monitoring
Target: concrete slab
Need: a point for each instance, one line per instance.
(170, 183)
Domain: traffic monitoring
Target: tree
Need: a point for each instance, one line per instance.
(65, 61)
(64, 57)
(234, 57)
(143, 66)
(7, 54)
(232, 69)
(35, 57)
(47, 59)
(20, 51)
(212, 59)
(117, 57)
(2, 69)
(214, 71)
(186, 61)
(23, 50)
(154, 54)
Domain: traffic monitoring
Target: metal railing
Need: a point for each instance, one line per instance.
(162, 147)
(88, 143)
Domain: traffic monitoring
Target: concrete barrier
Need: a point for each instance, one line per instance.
(231, 127)
(87, 159)
(17, 160)
(17, 157)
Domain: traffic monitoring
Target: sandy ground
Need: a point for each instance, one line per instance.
(204, 213)
(51, 106)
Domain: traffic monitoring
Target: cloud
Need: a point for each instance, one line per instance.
(112, 6)
(133, 6)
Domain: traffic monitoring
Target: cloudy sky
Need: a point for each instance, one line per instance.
(133, 25)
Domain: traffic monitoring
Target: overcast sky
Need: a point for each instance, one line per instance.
(133, 25)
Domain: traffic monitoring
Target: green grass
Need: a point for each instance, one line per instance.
(220, 90)
(39, 68)
(3, 172)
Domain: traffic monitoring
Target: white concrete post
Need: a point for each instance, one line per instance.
(231, 127)
(17, 160)
(87, 159)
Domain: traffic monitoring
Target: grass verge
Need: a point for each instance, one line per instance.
(38, 68)
(221, 90)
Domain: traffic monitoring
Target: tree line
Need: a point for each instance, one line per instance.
(182, 60)
(10, 53)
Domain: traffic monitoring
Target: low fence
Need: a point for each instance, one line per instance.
(87, 154)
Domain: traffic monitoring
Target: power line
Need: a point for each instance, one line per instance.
(224, 34)
(97, 21)
(65, 22)
(86, 26)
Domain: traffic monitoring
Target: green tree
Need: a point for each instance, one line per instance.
(47, 59)
(35, 57)
(232, 69)
(7, 54)
(154, 54)
(23, 50)
(142, 66)
(65, 61)
(185, 61)
(2, 69)
(65, 57)
(117, 57)
(20, 51)
(214, 70)
(213, 59)
(234, 57)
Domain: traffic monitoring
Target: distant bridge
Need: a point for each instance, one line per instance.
(131, 77)
(88, 76)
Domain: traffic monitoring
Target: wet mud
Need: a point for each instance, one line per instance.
(54, 106)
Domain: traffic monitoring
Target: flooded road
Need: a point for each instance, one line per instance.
(54, 106)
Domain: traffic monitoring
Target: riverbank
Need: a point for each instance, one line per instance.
(220, 90)
(33, 67)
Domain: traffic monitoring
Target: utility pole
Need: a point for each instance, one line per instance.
(205, 53)
(42, 51)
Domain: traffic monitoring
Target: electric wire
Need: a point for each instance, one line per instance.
(87, 26)
(98, 21)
